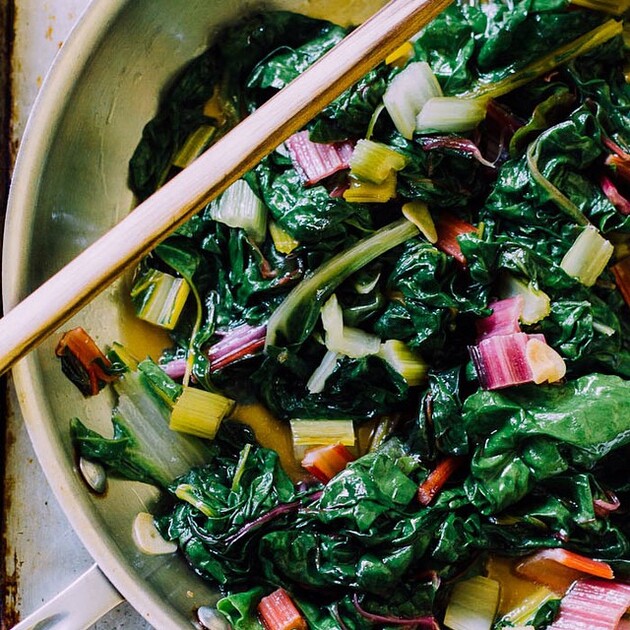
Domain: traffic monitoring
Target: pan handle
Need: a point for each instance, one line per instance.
(78, 606)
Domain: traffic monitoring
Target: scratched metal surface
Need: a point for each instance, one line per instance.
(42, 555)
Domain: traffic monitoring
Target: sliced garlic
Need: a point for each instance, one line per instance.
(545, 363)
(147, 537)
(93, 474)
(212, 619)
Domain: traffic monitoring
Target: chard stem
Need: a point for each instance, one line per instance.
(294, 319)
(562, 201)
(542, 66)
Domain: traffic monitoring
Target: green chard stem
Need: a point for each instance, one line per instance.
(295, 318)
(561, 200)
(542, 66)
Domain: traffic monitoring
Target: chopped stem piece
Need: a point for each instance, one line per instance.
(507, 360)
(407, 93)
(383, 430)
(198, 412)
(614, 196)
(588, 256)
(310, 433)
(83, 362)
(332, 319)
(175, 369)
(244, 352)
(324, 462)
(613, 147)
(448, 114)
(239, 343)
(400, 55)
(159, 298)
(473, 604)
(366, 280)
(239, 207)
(436, 479)
(195, 144)
(559, 568)
(449, 227)
(282, 240)
(603, 507)
(603, 329)
(407, 362)
(418, 213)
(355, 343)
(504, 319)
(593, 604)
(278, 612)
(317, 381)
(314, 160)
(374, 161)
(340, 339)
(361, 191)
(545, 363)
(620, 165)
(536, 303)
(528, 606)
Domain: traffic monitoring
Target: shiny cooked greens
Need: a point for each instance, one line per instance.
(537, 457)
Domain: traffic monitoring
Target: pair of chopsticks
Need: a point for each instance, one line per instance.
(49, 306)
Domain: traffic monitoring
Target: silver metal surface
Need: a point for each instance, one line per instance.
(43, 555)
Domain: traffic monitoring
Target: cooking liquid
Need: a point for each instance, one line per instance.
(143, 339)
(516, 591)
(140, 338)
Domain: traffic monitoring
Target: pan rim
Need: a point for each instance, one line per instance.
(45, 117)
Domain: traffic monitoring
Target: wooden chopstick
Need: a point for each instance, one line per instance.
(44, 310)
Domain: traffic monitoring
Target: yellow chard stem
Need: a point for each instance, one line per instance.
(615, 7)
(542, 66)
